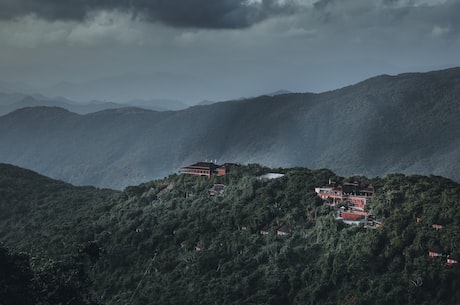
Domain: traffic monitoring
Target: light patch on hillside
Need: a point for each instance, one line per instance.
(271, 176)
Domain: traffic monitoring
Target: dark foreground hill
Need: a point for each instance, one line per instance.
(40, 208)
(406, 123)
(45, 220)
(169, 242)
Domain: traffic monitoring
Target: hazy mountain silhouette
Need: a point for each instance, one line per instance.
(125, 87)
(13, 101)
(406, 123)
(158, 104)
(14, 87)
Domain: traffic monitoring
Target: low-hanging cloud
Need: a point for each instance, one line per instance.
(179, 13)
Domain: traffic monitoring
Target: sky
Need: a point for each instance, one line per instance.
(195, 50)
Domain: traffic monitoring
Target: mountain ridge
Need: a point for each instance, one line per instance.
(407, 123)
(10, 102)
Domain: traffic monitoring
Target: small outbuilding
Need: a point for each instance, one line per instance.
(284, 230)
(452, 259)
(216, 189)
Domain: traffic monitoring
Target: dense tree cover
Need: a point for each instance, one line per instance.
(39, 213)
(169, 242)
(52, 283)
(15, 279)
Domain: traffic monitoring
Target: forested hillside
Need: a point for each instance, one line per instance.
(169, 242)
(52, 214)
(46, 221)
(406, 123)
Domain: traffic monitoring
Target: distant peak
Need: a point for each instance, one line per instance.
(279, 92)
(41, 110)
(124, 110)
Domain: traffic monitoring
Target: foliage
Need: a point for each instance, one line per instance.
(53, 283)
(169, 242)
(16, 279)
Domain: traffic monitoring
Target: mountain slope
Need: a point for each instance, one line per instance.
(406, 123)
(52, 213)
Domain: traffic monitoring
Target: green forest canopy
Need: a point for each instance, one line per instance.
(169, 242)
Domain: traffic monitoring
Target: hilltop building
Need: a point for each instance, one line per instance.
(199, 169)
(206, 169)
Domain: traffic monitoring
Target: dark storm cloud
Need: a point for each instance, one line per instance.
(179, 13)
(47, 9)
(400, 17)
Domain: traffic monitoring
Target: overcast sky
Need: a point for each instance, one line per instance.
(195, 50)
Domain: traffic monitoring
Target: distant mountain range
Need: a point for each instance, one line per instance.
(406, 123)
(13, 101)
(118, 88)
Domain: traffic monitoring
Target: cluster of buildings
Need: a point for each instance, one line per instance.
(436, 252)
(350, 199)
(450, 259)
(207, 169)
(353, 198)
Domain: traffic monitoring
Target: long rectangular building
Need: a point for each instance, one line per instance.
(199, 169)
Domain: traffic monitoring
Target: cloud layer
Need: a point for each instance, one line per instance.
(179, 13)
(225, 14)
(230, 48)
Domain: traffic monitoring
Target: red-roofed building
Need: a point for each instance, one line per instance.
(206, 169)
(199, 169)
(358, 202)
(355, 193)
(353, 215)
(221, 171)
(354, 196)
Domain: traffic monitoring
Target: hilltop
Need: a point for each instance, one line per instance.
(180, 245)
